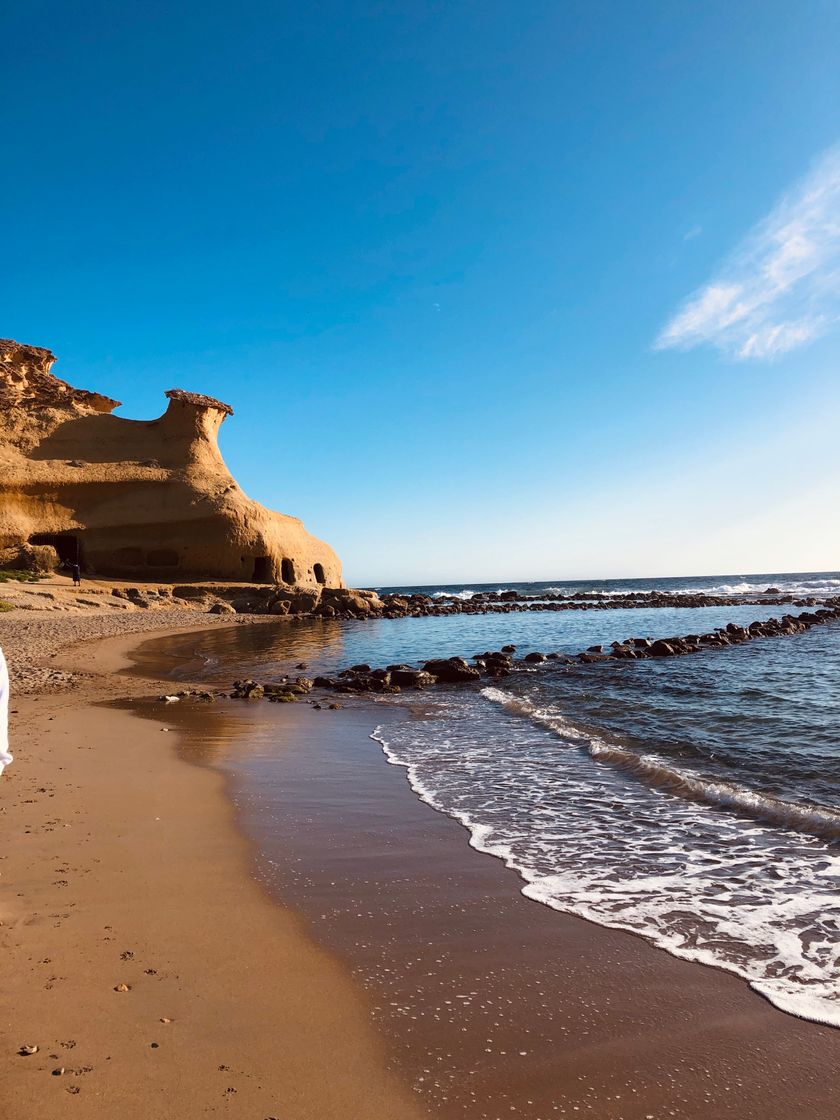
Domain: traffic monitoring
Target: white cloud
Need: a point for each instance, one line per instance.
(780, 288)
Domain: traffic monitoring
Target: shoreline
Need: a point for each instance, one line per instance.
(128, 869)
(641, 1032)
(564, 1016)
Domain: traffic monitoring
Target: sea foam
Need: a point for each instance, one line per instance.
(706, 870)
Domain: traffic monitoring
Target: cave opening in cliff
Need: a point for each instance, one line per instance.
(67, 545)
(287, 570)
(262, 569)
(318, 570)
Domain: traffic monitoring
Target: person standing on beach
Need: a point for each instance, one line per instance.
(5, 757)
(77, 574)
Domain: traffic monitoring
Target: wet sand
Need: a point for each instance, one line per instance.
(490, 1004)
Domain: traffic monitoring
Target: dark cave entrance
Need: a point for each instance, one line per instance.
(68, 546)
(318, 571)
(287, 570)
(262, 570)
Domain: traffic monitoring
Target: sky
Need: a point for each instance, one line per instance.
(497, 290)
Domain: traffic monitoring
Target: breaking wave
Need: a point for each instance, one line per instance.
(813, 819)
(706, 869)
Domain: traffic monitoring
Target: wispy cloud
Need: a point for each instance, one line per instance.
(780, 288)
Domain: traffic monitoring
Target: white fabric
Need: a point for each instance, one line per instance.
(5, 757)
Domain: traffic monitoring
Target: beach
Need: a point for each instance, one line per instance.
(123, 866)
(355, 958)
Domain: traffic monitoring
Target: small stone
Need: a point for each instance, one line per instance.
(122, 988)
(154, 1045)
(26, 1050)
(57, 1072)
(164, 1019)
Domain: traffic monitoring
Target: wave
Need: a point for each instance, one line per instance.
(786, 587)
(750, 888)
(799, 586)
(811, 819)
(469, 593)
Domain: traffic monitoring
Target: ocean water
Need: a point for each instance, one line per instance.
(694, 801)
(793, 583)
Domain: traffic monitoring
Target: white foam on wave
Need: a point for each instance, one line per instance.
(804, 587)
(467, 593)
(701, 869)
(813, 819)
(801, 588)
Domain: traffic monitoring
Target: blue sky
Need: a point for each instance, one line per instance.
(497, 290)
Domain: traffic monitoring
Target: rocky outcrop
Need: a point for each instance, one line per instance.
(140, 498)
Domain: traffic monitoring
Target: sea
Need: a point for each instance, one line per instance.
(693, 801)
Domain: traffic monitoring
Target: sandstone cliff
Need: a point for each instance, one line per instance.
(143, 498)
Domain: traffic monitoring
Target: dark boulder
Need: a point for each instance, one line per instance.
(452, 671)
(412, 678)
(367, 682)
(247, 690)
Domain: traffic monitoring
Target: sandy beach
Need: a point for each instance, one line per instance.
(316, 969)
(122, 866)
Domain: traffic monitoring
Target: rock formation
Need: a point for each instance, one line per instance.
(141, 498)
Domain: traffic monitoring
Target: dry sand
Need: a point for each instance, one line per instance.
(121, 865)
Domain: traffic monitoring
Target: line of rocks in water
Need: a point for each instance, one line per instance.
(562, 596)
(343, 603)
(509, 602)
(721, 638)
(494, 664)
